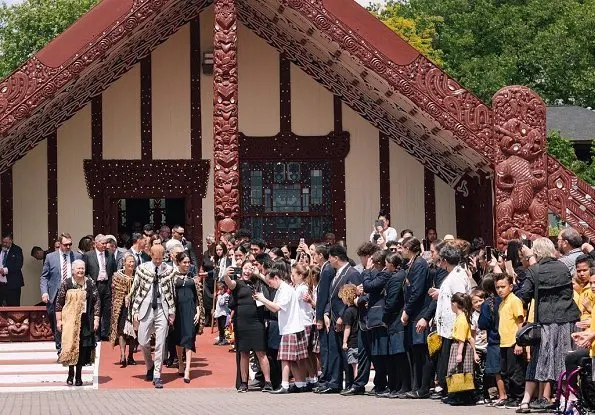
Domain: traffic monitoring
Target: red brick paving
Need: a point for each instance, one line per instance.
(212, 367)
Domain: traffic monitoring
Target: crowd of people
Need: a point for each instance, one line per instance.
(435, 319)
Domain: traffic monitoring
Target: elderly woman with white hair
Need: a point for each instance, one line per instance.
(77, 317)
(549, 282)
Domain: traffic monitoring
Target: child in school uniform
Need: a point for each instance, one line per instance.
(348, 294)
(462, 349)
(512, 357)
(222, 312)
(478, 297)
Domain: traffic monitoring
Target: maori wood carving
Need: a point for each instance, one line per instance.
(520, 164)
(18, 324)
(36, 100)
(571, 198)
(225, 118)
(111, 180)
(447, 102)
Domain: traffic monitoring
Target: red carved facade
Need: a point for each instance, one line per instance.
(23, 324)
(225, 118)
(520, 164)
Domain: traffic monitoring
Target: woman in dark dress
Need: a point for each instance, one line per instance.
(248, 323)
(398, 366)
(77, 304)
(188, 313)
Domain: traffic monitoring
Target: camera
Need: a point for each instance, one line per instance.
(376, 237)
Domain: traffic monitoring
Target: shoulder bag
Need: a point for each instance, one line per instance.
(530, 333)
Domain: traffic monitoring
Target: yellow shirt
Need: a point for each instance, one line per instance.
(592, 330)
(461, 330)
(511, 308)
(585, 293)
(576, 297)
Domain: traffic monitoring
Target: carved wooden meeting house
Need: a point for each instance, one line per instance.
(290, 118)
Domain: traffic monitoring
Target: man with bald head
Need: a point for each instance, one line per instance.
(153, 309)
(101, 265)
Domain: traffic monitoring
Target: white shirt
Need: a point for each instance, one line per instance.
(455, 282)
(389, 233)
(306, 309)
(102, 275)
(4, 257)
(289, 316)
(68, 264)
(221, 307)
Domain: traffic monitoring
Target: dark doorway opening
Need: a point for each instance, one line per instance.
(135, 213)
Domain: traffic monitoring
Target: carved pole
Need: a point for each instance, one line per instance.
(225, 118)
(520, 164)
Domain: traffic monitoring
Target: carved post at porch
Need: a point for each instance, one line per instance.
(520, 160)
(225, 118)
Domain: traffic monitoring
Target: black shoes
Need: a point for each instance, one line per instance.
(353, 391)
(267, 387)
(78, 382)
(149, 376)
(243, 388)
(328, 391)
(123, 363)
(130, 361)
(417, 395)
(280, 391)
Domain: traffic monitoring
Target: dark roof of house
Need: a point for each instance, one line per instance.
(576, 123)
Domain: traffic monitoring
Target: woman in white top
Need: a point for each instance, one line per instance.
(299, 277)
(455, 282)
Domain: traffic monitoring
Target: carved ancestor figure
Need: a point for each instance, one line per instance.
(516, 176)
(18, 325)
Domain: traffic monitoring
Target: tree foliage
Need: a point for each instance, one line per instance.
(419, 31)
(546, 45)
(27, 27)
(561, 148)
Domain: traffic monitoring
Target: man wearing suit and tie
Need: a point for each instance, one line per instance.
(11, 274)
(100, 266)
(333, 317)
(178, 234)
(327, 273)
(56, 268)
(153, 309)
(137, 250)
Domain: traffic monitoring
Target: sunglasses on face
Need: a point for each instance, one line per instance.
(70, 244)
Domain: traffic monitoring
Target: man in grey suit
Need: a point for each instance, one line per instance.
(100, 266)
(153, 309)
(56, 268)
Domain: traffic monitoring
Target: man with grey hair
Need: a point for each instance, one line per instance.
(570, 242)
(101, 265)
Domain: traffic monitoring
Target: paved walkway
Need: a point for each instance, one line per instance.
(216, 402)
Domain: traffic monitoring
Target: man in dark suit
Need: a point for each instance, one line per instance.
(333, 317)
(100, 266)
(56, 268)
(327, 272)
(117, 253)
(137, 250)
(11, 274)
(178, 234)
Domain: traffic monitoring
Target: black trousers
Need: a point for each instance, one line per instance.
(419, 356)
(335, 358)
(442, 362)
(398, 373)
(221, 320)
(363, 361)
(323, 338)
(105, 314)
(512, 369)
(9, 297)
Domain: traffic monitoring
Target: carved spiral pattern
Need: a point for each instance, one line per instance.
(377, 65)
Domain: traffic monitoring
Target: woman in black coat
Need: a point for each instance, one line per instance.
(374, 281)
(398, 365)
(417, 285)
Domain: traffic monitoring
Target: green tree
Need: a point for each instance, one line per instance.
(561, 148)
(27, 27)
(543, 44)
(419, 31)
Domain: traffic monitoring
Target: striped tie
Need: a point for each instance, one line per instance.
(64, 267)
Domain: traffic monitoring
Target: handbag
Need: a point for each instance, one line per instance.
(460, 382)
(434, 343)
(530, 333)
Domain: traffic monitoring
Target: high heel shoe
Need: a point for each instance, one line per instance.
(123, 363)
(186, 377)
(78, 382)
(70, 377)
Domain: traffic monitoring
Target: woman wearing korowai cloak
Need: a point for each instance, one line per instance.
(77, 317)
(121, 330)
